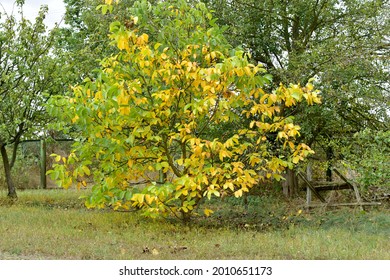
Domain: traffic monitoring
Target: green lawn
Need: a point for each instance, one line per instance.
(55, 225)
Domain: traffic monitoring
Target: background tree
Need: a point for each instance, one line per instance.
(343, 44)
(368, 155)
(28, 77)
(84, 40)
(151, 115)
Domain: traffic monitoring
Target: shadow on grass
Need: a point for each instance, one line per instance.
(276, 213)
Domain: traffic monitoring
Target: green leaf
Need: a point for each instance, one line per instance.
(115, 26)
(86, 170)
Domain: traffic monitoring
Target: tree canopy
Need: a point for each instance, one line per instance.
(28, 77)
(176, 101)
(150, 123)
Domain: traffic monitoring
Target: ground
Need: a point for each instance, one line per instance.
(53, 224)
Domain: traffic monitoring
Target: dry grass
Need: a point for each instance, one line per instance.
(54, 225)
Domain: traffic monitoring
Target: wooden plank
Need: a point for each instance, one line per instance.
(333, 187)
(311, 187)
(321, 183)
(347, 204)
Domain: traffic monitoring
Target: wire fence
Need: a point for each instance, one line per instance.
(32, 162)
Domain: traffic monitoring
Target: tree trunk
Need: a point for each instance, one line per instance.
(290, 186)
(7, 171)
(16, 145)
(329, 158)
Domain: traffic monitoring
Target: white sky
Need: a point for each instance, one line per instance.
(31, 8)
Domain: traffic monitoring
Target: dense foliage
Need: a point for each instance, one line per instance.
(343, 44)
(367, 153)
(189, 102)
(150, 123)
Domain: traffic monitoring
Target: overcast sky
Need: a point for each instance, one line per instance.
(31, 8)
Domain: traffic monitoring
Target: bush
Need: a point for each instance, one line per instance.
(369, 155)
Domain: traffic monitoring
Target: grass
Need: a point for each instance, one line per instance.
(53, 224)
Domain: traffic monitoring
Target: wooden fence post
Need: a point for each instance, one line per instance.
(43, 164)
(309, 176)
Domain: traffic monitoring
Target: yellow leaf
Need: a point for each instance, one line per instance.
(208, 212)
(281, 135)
(239, 72)
(247, 70)
(138, 197)
(123, 43)
(98, 95)
(149, 199)
(143, 39)
(296, 159)
(228, 185)
(223, 154)
(277, 177)
(125, 111)
(75, 119)
(238, 193)
(123, 99)
(273, 97)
